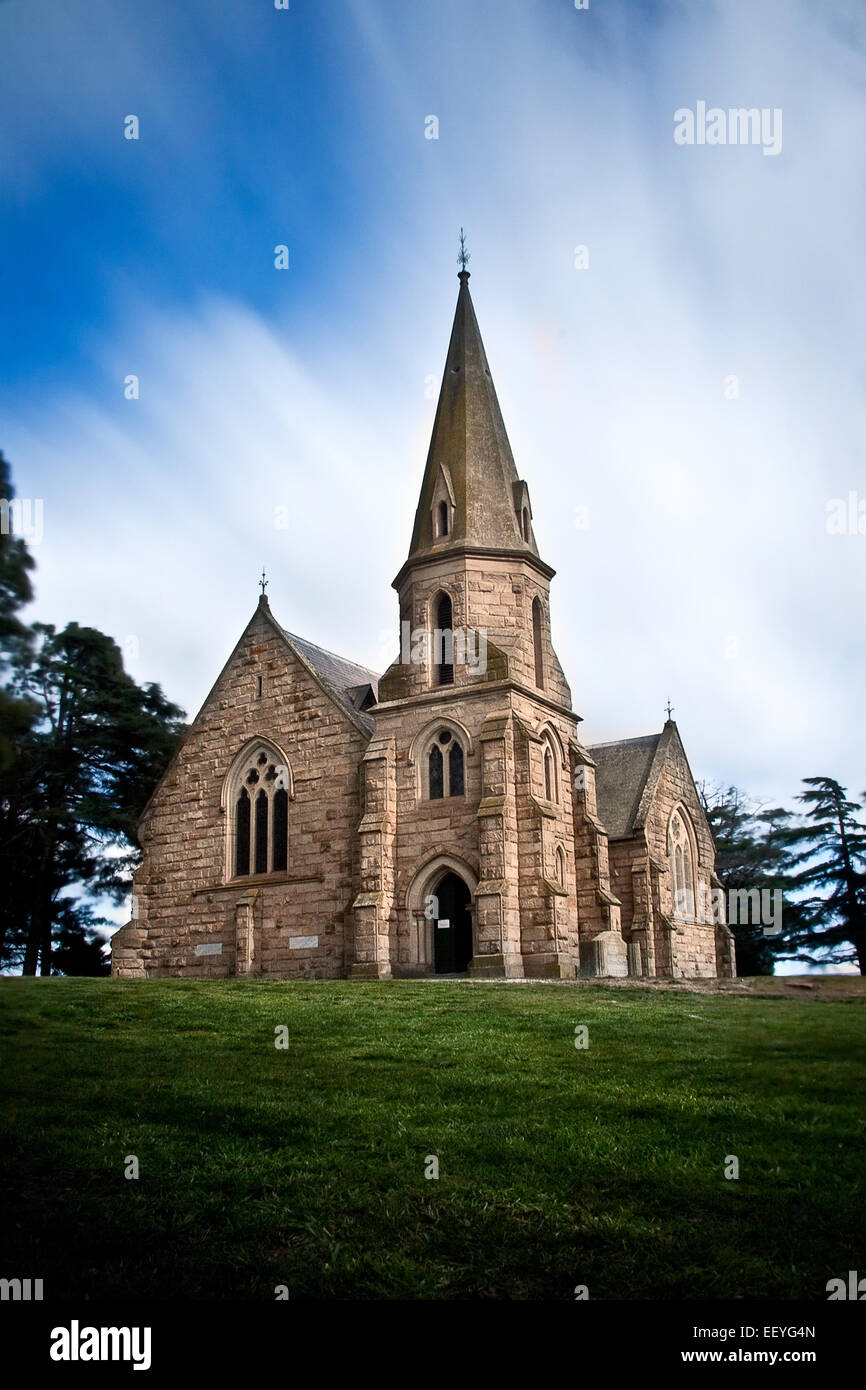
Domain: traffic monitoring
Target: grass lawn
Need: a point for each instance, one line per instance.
(306, 1166)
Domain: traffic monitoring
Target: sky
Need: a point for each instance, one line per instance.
(675, 332)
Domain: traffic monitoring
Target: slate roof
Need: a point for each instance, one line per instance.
(344, 679)
(622, 772)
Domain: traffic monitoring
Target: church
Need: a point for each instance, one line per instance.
(320, 821)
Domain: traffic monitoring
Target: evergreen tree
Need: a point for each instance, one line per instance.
(70, 802)
(79, 946)
(15, 638)
(828, 857)
(752, 852)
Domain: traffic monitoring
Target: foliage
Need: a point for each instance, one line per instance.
(70, 802)
(827, 854)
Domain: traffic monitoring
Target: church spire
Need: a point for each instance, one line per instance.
(471, 495)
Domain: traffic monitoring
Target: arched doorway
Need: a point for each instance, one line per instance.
(452, 928)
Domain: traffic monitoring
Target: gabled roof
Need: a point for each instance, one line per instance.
(627, 774)
(349, 683)
(352, 686)
(622, 775)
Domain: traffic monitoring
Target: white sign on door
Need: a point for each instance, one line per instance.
(444, 922)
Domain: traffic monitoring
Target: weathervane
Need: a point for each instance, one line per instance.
(669, 707)
(263, 583)
(463, 257)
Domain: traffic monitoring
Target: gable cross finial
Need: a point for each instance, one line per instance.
(669, 707)
(463, 257)
(263, 582)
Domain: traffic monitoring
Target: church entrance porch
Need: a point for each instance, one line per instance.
(441, 891)
(452, 927)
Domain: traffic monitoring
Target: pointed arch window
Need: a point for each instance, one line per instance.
(455, 769)
(560, 866)
(445, 766)
(262, 832)
(537, 643)
(258, 794)
(442, 519)
(281, 830)
(436, 773)
(242, 833)
(525, 520)
(550, 763)
(443, 641)
(682, 867)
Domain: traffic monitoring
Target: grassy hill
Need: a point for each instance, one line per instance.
(306, 1166)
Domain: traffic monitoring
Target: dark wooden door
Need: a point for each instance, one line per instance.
(452, 943)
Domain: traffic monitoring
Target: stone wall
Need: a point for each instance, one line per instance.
(486, 593)
(182, 895)
(693, 944)
(366, 842)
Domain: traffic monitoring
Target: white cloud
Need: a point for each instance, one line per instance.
(706, 514)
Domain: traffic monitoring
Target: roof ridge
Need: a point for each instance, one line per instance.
(653, 773)
(618, 742)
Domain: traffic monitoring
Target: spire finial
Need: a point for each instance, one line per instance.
(463, 256)
(669, 708)
(263, 583)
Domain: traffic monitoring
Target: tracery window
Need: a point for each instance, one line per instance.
(681, 867)
(259, 803)
(445, 766)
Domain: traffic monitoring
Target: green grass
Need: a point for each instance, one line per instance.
(305, 1167)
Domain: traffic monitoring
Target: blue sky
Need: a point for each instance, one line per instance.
(705, 571)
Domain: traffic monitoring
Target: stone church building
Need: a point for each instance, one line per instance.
(320, 821)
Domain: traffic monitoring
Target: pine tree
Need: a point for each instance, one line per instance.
(16, 591)
(70, 802)
(828, 856)
(751, 852)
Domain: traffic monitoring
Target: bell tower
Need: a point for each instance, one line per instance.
(468, 778)
(474, 517)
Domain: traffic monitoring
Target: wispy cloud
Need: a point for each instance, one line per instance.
(705, 572)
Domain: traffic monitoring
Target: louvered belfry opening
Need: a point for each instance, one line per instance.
(443, 642)
(537, 643)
